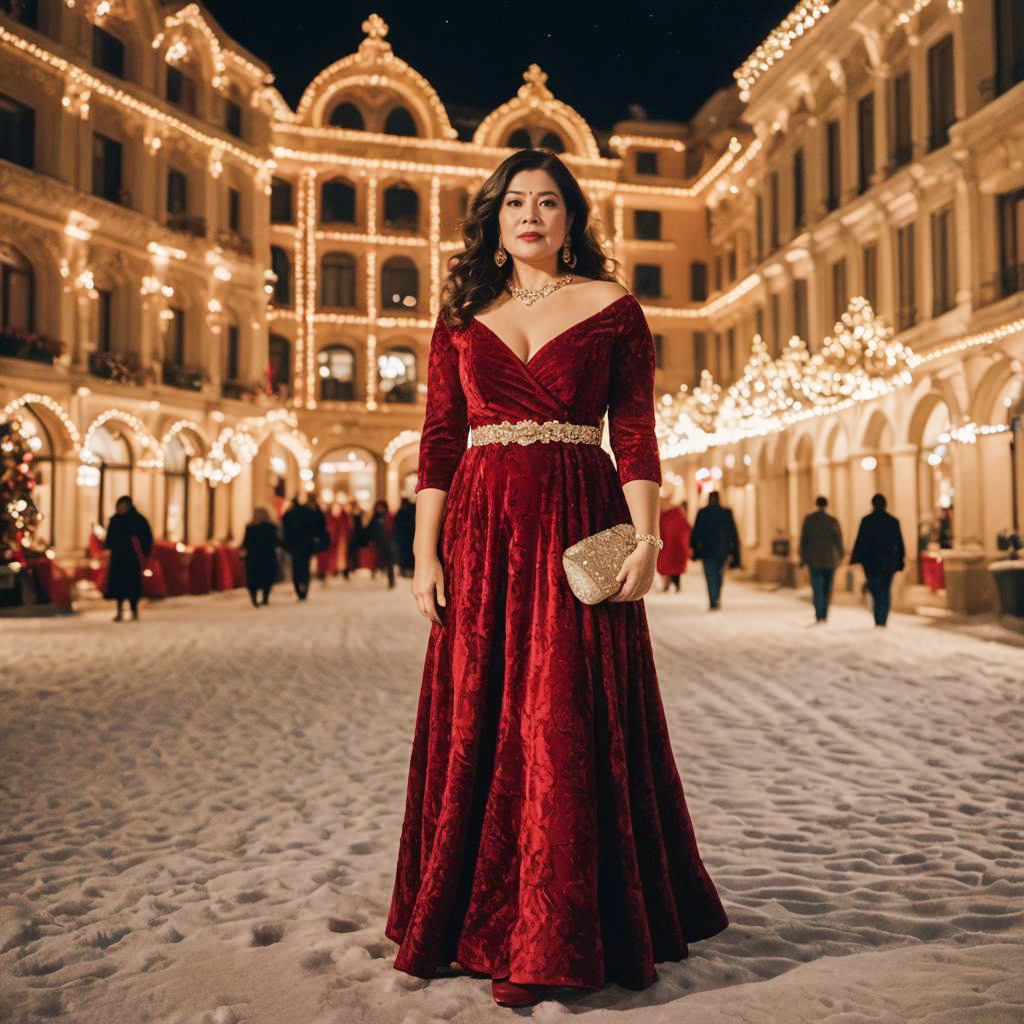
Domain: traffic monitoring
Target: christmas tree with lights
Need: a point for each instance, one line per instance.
(19, 516)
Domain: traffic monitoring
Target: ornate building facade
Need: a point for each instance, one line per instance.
(210, 300)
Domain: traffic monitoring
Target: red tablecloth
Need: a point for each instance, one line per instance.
(223, 578)
(237, 567)
(173, 565)
(368, 557)
(933, 575)
(55, 582)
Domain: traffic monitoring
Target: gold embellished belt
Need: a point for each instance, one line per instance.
(527, 432)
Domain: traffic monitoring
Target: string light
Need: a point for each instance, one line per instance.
(152, 454)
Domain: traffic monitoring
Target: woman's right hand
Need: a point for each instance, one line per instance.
(428, 579)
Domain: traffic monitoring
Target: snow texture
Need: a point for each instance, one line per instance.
(201, 815)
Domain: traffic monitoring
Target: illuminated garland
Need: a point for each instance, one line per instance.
(152, 454)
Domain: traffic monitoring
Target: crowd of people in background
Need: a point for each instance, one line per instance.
(335, 537)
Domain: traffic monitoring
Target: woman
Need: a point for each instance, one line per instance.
(259, 549)
(675, 532)
(356, 538)
(129, 540)
(546, 839)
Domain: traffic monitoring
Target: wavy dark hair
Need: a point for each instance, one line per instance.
(474, 279)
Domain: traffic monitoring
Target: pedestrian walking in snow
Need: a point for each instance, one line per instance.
(259, 549)
(305, 533)
(129, 540)
(879, 549)
(821, 550)
(715, 543)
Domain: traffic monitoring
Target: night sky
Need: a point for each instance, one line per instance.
(600, 57)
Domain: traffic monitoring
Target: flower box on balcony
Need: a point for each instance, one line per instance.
(119, 369)
(16, 343)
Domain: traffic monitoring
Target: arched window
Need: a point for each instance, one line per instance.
(552, 141)
(401, 208)
(280, 357)
(519, 139)
(176, 460)
(400, 122)
(111, 447)
(338, 280)
(400, 284)
(44, 465)
(396, 374)
(347, 115)
(336, 367)
(338, 202)
(281, 265)
(17, 290)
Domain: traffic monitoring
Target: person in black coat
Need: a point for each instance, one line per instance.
(879, 549)
(305, 533)
(357, 539)
(259, 549)
(378, 532)
(404, 527)
(713, 541)
(129, 540)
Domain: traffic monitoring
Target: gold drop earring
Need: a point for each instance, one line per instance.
(568, 257)
(500, 256)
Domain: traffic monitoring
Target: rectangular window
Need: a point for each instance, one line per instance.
(798, 190)
(902, 139)
(730, 257)
(759, 322)
(177, 193)
(941, 104)
(106, 168)
(871, 275)
(175, 349)
(800, 326)
(865, 141)
(104, 326)
(906, 306)
(773, 209)
(943, 262)
(646, 162)
(698, 281)
(647, 280)
(718, 273)
(659, 350)
(700, 355)
(281, 204)
(233, 118)
(647, 224)
(833, 168)
(1009, 36)
(24, 11)
(775, 306)
(235, 210)
(838, 290)
(17, 132)
(181, 89)
(232, 352)
(107, 52)
(730, 354)
(1010, 211)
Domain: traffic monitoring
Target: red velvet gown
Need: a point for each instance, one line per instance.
(546, 835)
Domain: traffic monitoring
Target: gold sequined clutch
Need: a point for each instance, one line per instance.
(592, 564)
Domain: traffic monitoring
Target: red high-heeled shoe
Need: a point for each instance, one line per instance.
(508, 993)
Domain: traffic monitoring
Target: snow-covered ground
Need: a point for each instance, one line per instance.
(200, 815)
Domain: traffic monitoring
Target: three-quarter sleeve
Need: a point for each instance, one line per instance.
(631, 398)
(446, 423)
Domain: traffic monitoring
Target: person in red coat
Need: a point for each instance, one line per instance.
(675, 532)
(327, 561)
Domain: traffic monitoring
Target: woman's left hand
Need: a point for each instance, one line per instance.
(637, 573)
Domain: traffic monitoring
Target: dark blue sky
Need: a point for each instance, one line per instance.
(600, 58)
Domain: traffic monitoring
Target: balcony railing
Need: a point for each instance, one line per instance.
(240, 390)
(16, 343)
(176, 376)
(113, 367)
(235, 242)
(187, 223)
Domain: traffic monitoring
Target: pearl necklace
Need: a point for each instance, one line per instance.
(530, 295)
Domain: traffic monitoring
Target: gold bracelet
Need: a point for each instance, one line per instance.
(651, 539)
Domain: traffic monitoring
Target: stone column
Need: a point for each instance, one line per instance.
(882, 76)
(905, 502)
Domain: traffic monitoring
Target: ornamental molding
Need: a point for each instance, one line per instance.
(375, 65)
(534, 101)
